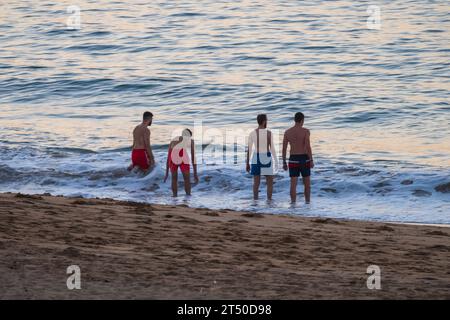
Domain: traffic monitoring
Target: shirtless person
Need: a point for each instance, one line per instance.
(300, 160)
(142, 155)
(178, 158)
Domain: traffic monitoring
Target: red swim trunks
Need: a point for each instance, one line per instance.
(139, 158)
(180, 161)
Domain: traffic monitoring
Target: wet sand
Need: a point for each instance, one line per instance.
(137, 251)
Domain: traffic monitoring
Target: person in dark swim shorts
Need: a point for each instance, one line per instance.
(299, 164)
(301, 159)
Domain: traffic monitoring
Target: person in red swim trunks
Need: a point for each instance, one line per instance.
(142, 155)
(178, 157)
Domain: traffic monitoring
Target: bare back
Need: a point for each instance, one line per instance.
(176, 141)
(140, 134)
(184, 145)
(298, 139)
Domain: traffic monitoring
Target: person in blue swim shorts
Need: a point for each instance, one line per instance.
(261, 151)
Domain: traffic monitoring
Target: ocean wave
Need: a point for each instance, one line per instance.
(82, 172)
(70, 150)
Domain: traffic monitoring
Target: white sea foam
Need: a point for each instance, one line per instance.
(353, 192)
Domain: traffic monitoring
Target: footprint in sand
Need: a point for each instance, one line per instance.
(238, 221)
(252, 215)
(85, 202)
(327, 220)
(382, 228)
(437, 233)
(288, 239)
(440, 247)
(211, 214)
(187, 220)
(29, 196)
(71, 252)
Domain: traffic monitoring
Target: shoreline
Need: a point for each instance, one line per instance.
(130, 250)
(246, 211)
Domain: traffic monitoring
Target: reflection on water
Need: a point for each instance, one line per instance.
(369, 95)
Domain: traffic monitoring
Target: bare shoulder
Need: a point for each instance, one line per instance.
(288, 131)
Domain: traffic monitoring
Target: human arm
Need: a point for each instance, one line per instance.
(131, 166)
(194, 161)
(249, 151)
(167, 164)
(285, 144)
(309, 149)
(272, 150)
(148, 148)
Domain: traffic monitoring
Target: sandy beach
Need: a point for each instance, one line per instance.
(138, 251)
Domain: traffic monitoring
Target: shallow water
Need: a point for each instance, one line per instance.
(376, 101)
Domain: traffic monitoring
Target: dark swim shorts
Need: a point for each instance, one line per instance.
(299, 163)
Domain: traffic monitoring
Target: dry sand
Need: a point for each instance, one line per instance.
(136, 251)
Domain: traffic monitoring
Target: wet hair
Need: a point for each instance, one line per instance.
(147, 115)
(187, 132)
(261, 118)
(299, 117)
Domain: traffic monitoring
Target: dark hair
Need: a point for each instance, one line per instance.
(299, 117)
(147, 115)
(188, 130)
(261, 118)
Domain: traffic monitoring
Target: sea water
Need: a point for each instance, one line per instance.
(373, 83)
